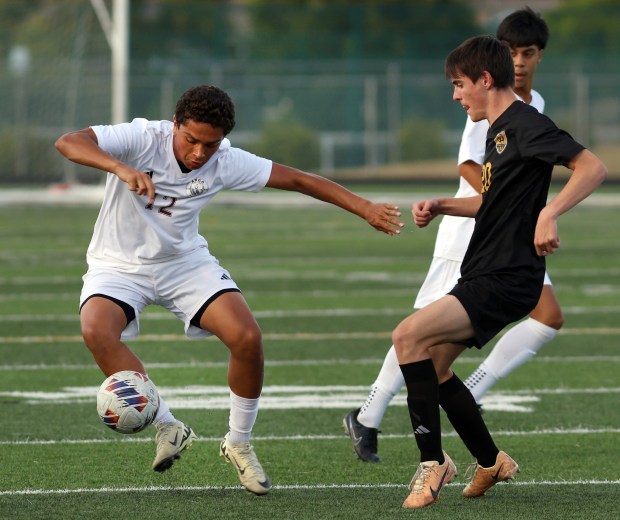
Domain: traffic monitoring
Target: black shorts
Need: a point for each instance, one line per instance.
(492, 302)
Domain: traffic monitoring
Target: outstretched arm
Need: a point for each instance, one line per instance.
(381, 216)
(82, 147)
(588, 172)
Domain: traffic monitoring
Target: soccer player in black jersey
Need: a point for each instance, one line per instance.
(503, 269)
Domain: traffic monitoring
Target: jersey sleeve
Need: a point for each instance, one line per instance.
(541, 139)
(122, 139)
(244, 171)
(473, 141)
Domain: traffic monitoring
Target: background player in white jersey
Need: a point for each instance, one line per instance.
(146, 249)
(527, 33)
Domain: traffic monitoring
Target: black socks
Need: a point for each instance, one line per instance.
(425, 395)
(423, 402)
(464, 414)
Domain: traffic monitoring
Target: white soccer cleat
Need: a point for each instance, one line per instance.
(251, 473)
(172, 438)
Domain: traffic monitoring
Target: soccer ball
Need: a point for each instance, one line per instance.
(127, 401)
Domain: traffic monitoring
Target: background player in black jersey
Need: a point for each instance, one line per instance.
(503, 270)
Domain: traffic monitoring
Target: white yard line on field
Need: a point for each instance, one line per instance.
(296, 336)
(287, 397)
(298, 313)
(298, 363)
(284, 487)
(312, 293)
(281, 438)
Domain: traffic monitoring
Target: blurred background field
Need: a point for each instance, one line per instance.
(345, 88)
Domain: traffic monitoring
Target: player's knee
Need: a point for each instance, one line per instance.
(548, 310)
(556, 321)
(404, 342)
(247, 344)
(552, 318)
(97, 339)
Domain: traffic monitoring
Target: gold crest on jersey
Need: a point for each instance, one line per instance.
(196, 187)
(501, 141)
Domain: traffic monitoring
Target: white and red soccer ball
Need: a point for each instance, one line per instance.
(127, 401)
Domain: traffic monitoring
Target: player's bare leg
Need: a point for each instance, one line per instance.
(230, 319)
(443, 321)
(415, 339)
(548, 310)
(427, 345)
(102, 322)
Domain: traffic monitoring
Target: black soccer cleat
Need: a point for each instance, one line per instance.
(364, 439)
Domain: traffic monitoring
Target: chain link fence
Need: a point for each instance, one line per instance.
(318, 114)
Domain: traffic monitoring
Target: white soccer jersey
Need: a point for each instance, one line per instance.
(127, 231)
(454, 233)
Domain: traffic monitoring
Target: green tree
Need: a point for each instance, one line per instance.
(286, 140)
(585, 28)
(182, 28)
(347, 29)
(48, 28)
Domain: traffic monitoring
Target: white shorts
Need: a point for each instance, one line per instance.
(181, 285)
(441, 278)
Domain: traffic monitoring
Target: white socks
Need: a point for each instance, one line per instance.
(242, 417)
(163, 414)
(389, 382)
(517, 346)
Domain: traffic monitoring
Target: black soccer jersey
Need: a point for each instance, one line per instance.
(522, 147)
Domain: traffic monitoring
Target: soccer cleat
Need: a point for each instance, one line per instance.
(251, 473)
(172, 438)
(485, 478)
(364, 439)
(427, 482)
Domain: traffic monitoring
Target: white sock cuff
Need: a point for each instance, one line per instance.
(243, 413)
(243, 403)
(390, 378)
(544, 331)
(163, 413)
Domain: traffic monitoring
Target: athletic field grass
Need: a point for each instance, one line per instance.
(327, 290)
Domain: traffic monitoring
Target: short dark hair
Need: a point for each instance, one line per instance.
(206, 104)
(480, 53)
(524, 28)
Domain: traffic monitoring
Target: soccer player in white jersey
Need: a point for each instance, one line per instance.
(146, 250)
(527, 34)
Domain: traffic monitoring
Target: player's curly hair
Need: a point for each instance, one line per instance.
(206, 104)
